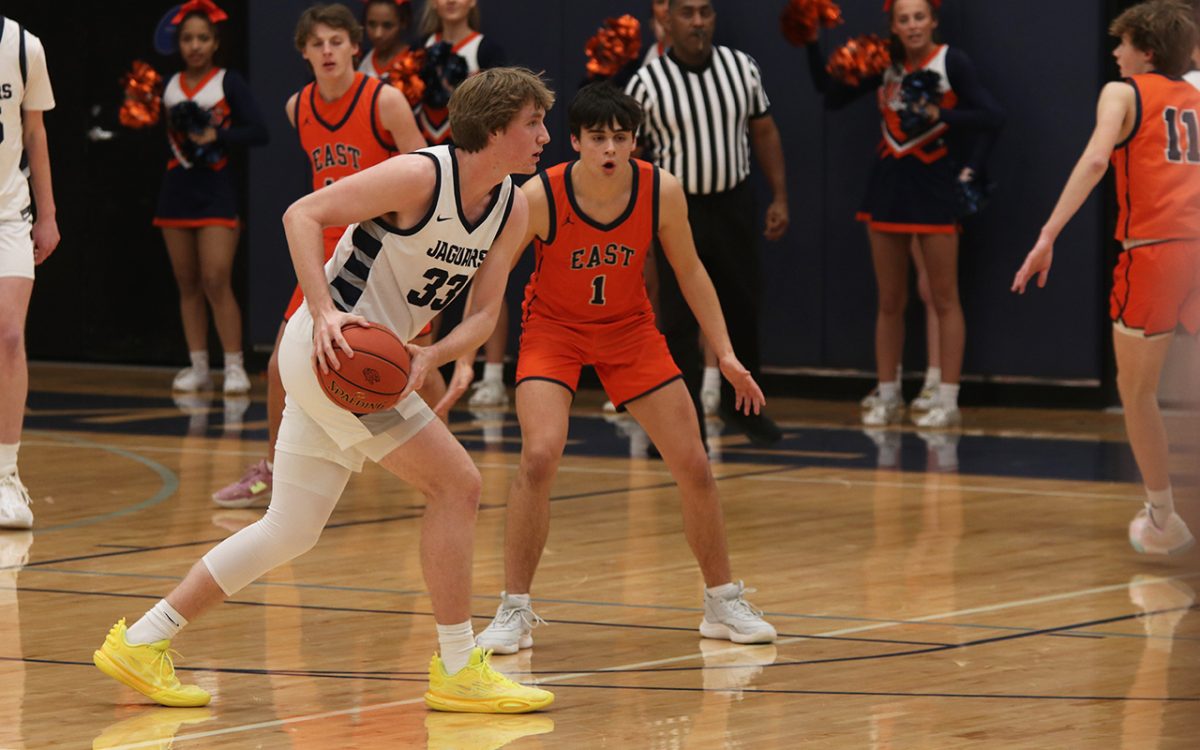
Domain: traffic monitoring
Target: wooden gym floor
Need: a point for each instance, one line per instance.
(965, 590)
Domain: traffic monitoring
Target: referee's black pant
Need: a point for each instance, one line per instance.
(724, 226)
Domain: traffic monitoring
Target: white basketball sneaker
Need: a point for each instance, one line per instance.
(15, 512)
(1149, 538)
(236, 379)
(488, 393)
(732, 618)
(511, 629)
(884, 413)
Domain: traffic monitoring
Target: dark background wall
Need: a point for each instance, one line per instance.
(1044, 61)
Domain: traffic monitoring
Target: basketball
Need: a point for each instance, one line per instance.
(374, 377)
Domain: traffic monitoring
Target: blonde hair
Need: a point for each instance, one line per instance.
(488, 101)
(431, 22)
(1166, 29)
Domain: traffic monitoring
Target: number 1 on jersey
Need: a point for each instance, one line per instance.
(597, 291)
(1192, 123)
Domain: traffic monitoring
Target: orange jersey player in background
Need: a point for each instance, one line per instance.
(347, 121)
(595, 220)
(1148, 125)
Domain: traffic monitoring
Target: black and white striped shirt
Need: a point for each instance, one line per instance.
(696, 118)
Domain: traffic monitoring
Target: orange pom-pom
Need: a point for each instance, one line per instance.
(859, 59)
(802, 19)
(143, 96)
(614, 46)
(405, 74)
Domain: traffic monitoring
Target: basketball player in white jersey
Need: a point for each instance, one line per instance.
(25, 94)
(419, 227)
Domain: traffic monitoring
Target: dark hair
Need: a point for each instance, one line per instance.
(1164, 28)
(404, 13)
(599, 105)
(212, 27)
(333, 15)
(896, 47)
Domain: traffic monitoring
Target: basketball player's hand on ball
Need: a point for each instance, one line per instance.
(422, 363)
(1037, 262)
(460, 381)
(45, 239)
(749, 397)
(328, 338)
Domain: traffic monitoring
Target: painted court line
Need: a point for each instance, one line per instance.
(552, 680)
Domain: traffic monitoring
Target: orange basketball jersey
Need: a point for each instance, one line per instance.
(587, 272)
(1158, 166)
(343, 136)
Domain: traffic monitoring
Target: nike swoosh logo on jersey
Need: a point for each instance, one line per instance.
(444, 218)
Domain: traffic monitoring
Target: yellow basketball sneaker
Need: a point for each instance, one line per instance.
(147, 669)
(477, 688)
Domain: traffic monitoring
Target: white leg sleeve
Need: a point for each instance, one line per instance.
(305, 491)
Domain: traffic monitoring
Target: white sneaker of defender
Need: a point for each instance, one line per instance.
(732, 618)
(511, 629)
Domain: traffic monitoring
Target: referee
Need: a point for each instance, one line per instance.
(705, 108)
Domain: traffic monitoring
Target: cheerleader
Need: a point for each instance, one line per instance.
(387, 23)
(939, 125)
(209, 109)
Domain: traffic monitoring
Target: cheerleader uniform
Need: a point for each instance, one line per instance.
(479, 53)
(197, 192)
(913, 183)
(370, 66)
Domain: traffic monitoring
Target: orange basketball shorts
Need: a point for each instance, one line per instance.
(630, 356)
(1156, 288)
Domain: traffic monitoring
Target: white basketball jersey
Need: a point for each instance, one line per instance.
(210, 95)
(1193, 78)
(28, 91)
(402, 278)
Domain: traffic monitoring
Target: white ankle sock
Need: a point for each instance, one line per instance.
(933, 377)
(233, 359)
(8, 458)
(455, 643)
(493, 372)
(1161, 504)
(199, 360)
(889, 391)
(948, 395)
(519, 599)
(721, 591)
(712, 379)
(161, 622)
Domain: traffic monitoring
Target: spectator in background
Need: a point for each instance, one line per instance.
(710, 153)
(24, 243)
(209, 109)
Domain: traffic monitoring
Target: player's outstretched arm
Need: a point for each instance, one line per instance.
(397, 117)
(537, 225)
(675, 236)
(45, 229)
(399, 188)
(1115, 115)
(487, 296)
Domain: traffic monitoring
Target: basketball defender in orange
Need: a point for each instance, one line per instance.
(594, 221)
(347, 121)
(1148, 125)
